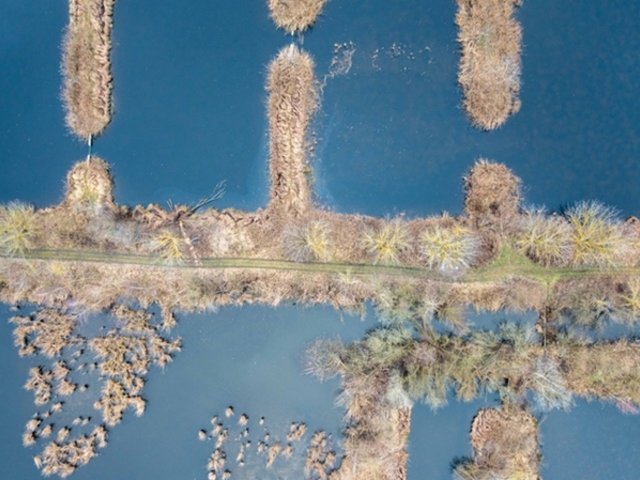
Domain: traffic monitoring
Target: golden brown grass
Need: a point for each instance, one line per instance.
(17, 228)
(492, 196)
(450, 250)
(295, 15)
(597, 236)
(86, 67)
(292, 101)
(489, 72)
(546, 240)
(89, 183)
(387, 244)
(505, 445)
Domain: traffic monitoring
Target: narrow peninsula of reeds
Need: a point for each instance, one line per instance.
(505, 445)
(489, 73)
(292, 102)
(383, 375)
(295, 15)
(86, 67)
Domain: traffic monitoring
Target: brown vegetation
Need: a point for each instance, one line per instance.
(86, 67)
(492, 197)
(505, 445)
(89, 183)
(292, 101)
(124, 358)
(382, 373)
(46, 332)
(489, 72)
(320, 460)
(295, 15)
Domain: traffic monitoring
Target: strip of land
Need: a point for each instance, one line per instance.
(489, 72)
(86, 67)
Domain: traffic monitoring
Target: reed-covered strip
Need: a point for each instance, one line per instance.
(505, 445)
(295, 15)
(86, 67)
(292, 101)
(489, 74)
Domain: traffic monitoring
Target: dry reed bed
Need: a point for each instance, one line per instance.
(295, 15)
(505, 445)
(86, 67)
(292, 101)
(489, 73)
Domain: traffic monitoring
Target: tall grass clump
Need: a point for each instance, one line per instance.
(293, 99)
(308, 243)
(86, 67)
(387, 244)
(17, 228)
(449, 250)
(489, 72)
(545, 239)
(295, 16)
(170, 246)
(596, 236)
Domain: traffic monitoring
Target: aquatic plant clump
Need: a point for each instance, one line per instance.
(295, 15)
(86, 67)
(292, 101)
(46, 332)
(597, 236)
(489, 72)
(17, 228)
(449, 250)
(546, 240)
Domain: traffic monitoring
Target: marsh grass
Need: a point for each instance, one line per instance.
(492, 197)
(86, 67)
(387, 244)
(545, 239)
(597, 237)
(307, 243)
(17, 228)
(489, 72)
(170, 246)
(292, 101)
(89, 182)
(450, 250)
(295, 16)
(505, 446)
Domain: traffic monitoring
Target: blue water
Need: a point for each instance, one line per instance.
(189, 100)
